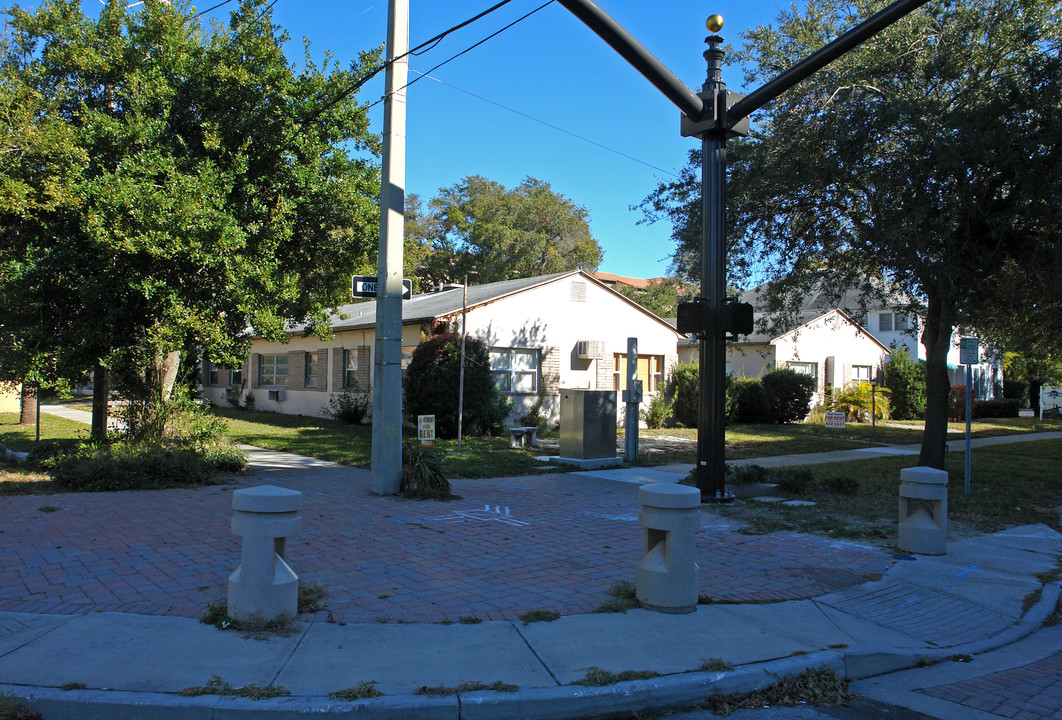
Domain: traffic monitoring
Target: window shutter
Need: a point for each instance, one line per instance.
(256, 363)
(364, 368)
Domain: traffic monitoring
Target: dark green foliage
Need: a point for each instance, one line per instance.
(350, 406)
(749, 404)
(788, 394)
(534, 417)
(658, 412)
(684, 390)
(93, 468)
(422, 475)
(795, 481)
(906, 378)
(998, 408)
(840, 485)
(1017, 389)
(432, 383)
(750, 474)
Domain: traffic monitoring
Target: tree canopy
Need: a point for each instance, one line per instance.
(924, 161)
(480, 228)
(166, 184)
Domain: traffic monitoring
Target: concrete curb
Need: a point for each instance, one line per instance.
(666, 693)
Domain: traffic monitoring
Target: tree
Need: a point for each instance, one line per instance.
(433, 383)
(479, 228)
(192, 184)
(924, 161)
(906, 380)
(659, 298)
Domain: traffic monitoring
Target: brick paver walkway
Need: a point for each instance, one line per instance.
(1028, 692)
(556, 541)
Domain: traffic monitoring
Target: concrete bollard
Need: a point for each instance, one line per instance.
(264, 587)
(667, 574)
(923, 531)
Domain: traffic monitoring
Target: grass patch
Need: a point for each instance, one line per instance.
(73, 686)
(362, 691)
(715, 665)
(217, 686)
(597, 677)
(255, 628)
(313, 597)
(11, 708)
(442, 690)
(821, 688)
(532, 616)
(470, 620)
(623, 598)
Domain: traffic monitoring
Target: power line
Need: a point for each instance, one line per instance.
(423, 47)
(547, 124)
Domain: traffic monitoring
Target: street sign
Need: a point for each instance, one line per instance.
(969, 351)
(366, 286)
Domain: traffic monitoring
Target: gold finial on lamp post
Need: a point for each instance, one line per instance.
(714, 23)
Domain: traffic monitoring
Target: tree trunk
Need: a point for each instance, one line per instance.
(28, 414)
(99, 403)
(936, 337)
(166, 366)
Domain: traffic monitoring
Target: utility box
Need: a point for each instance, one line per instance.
(587, 424)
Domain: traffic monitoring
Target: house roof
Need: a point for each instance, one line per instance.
(426, 307)
(640, 283)
(819, 301)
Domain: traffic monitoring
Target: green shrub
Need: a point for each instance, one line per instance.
(658, 412)
(906, 379)
(795, 481)
(432, 383)
(534, 416)
(350, 406)
(749, 404)
(751, 474)
(129, 466)
(788, 394)
(684, 390)
(957, 403)
(859, 399)
(841, 485)
(998, 408)
(1017, 390)
(422, 475)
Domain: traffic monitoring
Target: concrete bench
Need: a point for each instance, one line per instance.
(519, 436)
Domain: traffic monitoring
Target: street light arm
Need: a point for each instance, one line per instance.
(820, 58)
(637, 55)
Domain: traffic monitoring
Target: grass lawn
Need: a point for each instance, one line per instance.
(1011, 485)
(749, 441)
(19, 480)
(352, 444)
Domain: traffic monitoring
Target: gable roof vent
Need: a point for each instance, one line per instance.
(578, 291)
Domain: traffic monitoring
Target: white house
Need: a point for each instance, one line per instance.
(566, 330)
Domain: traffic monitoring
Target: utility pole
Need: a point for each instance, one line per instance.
(387, 354)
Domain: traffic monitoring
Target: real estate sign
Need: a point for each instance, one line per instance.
(835, 419)
(426, 430)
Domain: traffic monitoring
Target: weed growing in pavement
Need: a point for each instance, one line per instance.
(470, 620)
(73, 686)
(217, 614)
(218, 686)
(821, 688)
(623, 598)
(11, 708)
(439, 690)
(49, 508)
(362, 691)
(1055, 618)
(597, 677)
(539, 616)
(313, 597)
(715, 665)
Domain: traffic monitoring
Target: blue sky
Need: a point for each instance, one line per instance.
(549, 67)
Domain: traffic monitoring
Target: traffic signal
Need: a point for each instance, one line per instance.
(694, 318)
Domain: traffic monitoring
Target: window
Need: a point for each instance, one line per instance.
(861, 373)
(885, 322)
(273, 370)
(515, 370)
(350, 368)
(900, 322)
(311, 370)
(806, 368)
(650, 372)
(212, 375)
(236, 377)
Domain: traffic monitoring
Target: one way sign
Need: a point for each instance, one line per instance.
(365, 286)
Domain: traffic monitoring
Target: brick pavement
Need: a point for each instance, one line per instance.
(555, 541)
(1028, 692)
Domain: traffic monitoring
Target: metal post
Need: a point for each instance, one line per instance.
(461, 374)
(873, 407)
(711, 431)
(630, 432)
(387, 358)
(969, 412)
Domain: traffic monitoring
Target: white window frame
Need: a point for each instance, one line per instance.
(857, 373)
(269, 370)
(881, 322)
(806, 368)
(510, 374)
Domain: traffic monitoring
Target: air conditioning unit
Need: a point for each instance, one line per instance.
(276, 395)
(589, 349)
